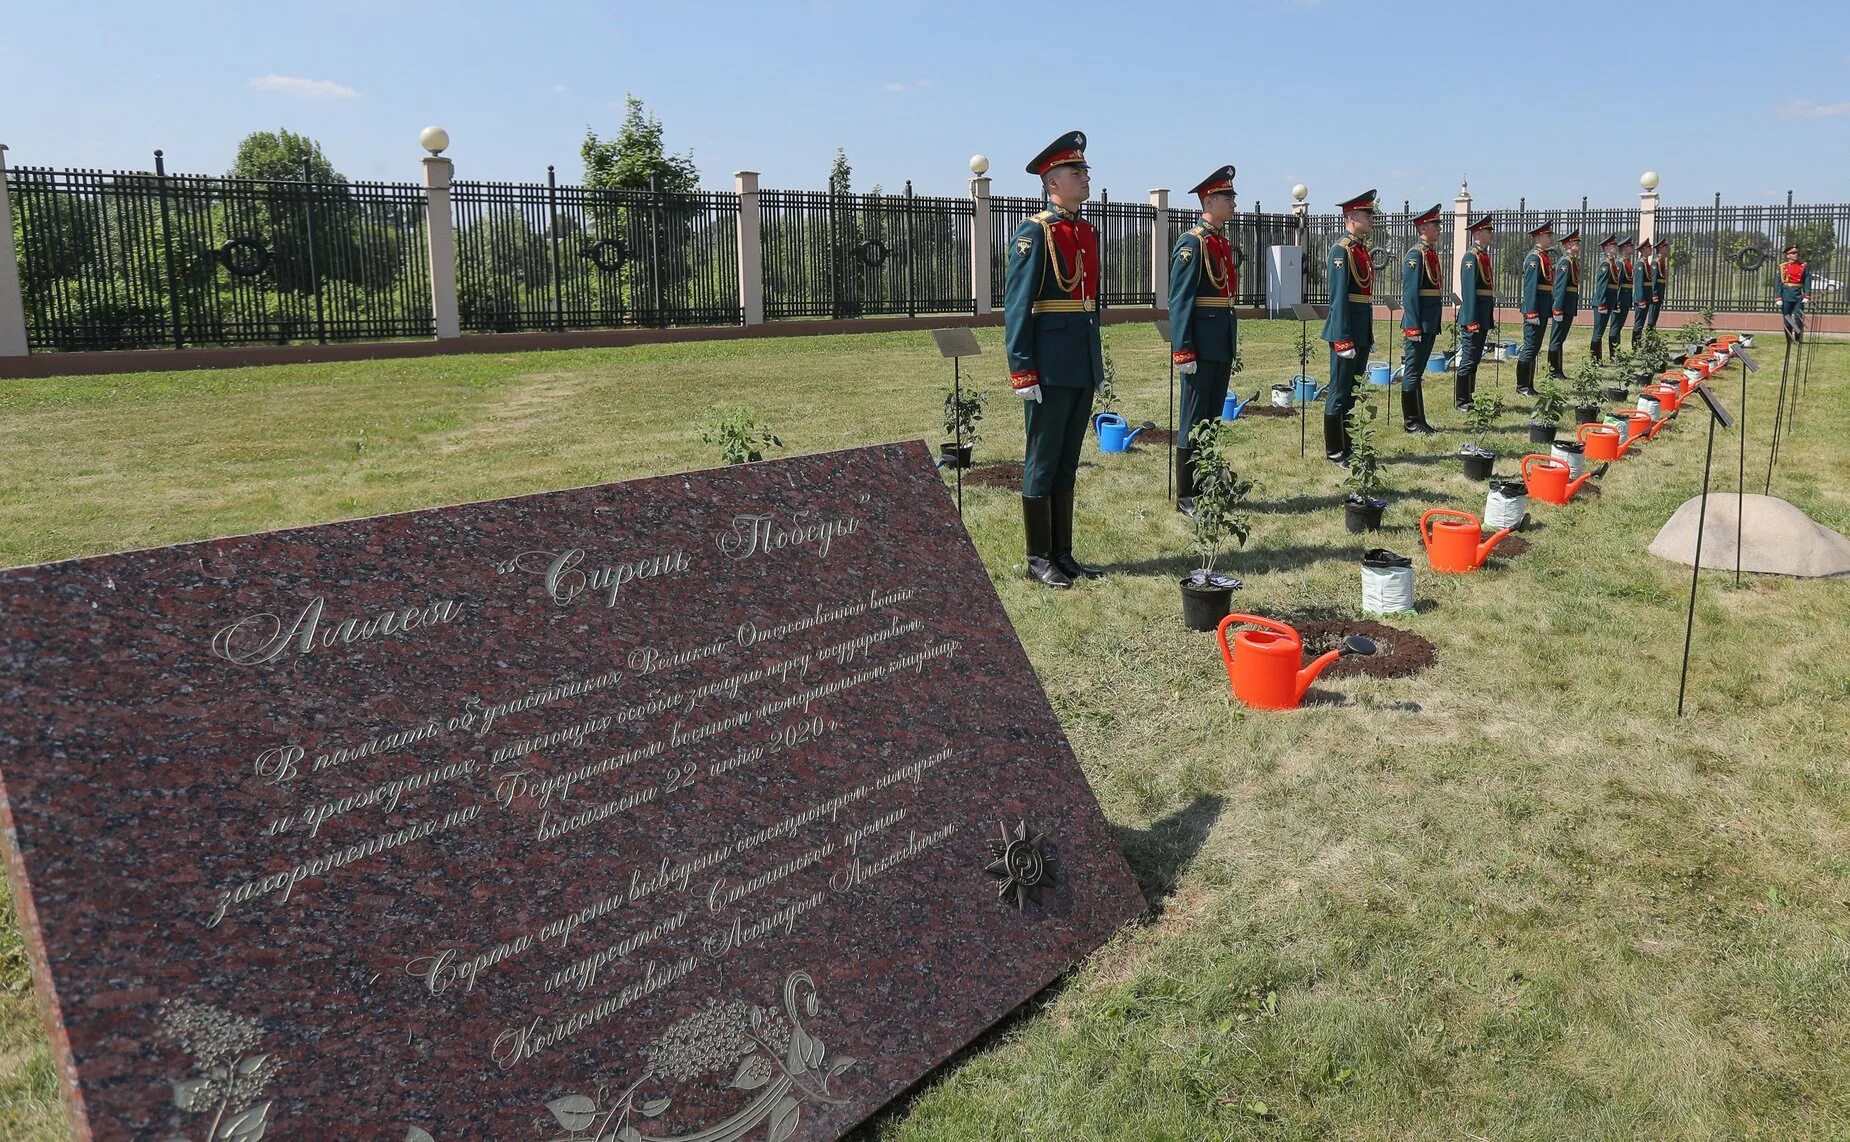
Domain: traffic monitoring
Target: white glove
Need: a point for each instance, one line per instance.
(1032, 392)
(1186, 368)
(1347, 354)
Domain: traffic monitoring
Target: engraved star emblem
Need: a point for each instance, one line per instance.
(1023, 245)
(1020, 864)
(1185, 254)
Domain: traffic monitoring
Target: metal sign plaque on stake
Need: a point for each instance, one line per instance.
(1162, 330)
(958, 342)
(1717, 415)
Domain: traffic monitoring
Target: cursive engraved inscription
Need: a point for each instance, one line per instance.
(566, 579)
(762, 534)
(256, 639)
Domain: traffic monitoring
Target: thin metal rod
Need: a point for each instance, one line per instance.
(1174, 443)
(957, 424)
(1740, 487)
(1303, 402)
(1702, 512)
(1779, 412)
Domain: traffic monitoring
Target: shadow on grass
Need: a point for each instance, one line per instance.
(1158, 855)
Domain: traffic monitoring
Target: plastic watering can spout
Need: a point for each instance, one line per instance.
(1138, 431)
(1352, 644)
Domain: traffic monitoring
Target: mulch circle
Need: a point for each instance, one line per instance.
(1157, 436)
(1512, 545)
(1001, 474)
(1265, 410)
(1398, 653)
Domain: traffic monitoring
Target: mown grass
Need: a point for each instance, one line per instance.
(1514, 897)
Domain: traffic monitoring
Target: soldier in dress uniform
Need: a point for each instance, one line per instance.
(1477, 310)
(1350, 328)
(1055, 357)
(1538, 277)
(1422, 292)
(1794, 280)
(1644, 279)
(1204, 331)
(1622, 302)
(1605, 292)
(1566, 302)
(1660, 283)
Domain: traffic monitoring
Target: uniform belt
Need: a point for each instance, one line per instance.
(1572, 289)
(1429, 293)
(1487, 293)
(1066, 305)
(1215, 302)
(1362, 297)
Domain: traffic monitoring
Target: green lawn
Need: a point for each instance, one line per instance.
(1513, 897)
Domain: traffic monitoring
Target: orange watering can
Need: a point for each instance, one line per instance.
(1640, 426)
(1263, 665)
(1668, 397)
(1600, 442)
(1452, 543)
(1547, 478)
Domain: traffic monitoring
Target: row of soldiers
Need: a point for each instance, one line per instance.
(1550, 297)
(1056, 356)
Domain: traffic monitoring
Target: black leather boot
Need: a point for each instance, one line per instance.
(1063, 541)
(1413, 410)
(1037, 522)
(1555, 370)
(1335, 440)
(1612, 345)
(1462, 385)
(1525, 377)
(1598, 355)
(1185, 479)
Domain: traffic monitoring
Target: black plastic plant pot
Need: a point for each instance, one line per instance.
(1542, 433)
(1207, 597)
(1617, 392)
(1586, 414)
(1478, 462)
(1360, 515)
(952, 456)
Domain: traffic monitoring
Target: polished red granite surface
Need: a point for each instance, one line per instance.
(718, 805)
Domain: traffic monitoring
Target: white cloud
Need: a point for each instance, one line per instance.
(558, 89)
(1807, 109)
(917, 83)
(892, 87)
(303, 88)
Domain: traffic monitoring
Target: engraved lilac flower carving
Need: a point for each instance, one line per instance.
(228, 1077)
(766, 1051)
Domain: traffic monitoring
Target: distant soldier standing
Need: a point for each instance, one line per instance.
(1204, 331)
(1794, 293)
(1350, 328)
(1538, 276)
(1056, 359)
(1605, 292)
(1566, 302)
(1660, 283)
(1643, 282)
(1477, 311)
(1422, 308)
(1622, 303)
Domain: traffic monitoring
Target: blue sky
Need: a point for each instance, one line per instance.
(1339, 94)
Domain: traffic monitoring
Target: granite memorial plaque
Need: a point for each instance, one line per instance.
(712, 806)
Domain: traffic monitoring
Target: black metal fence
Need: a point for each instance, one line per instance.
(143, 259)
(1727, 257)
(147, 259)
(856, 255)
(537, 256)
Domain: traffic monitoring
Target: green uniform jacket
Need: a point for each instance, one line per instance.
(1209, 332)
(1477, 295)
(1660, 281)
(1606, 284)
(1351, 306)
(1793, 294)
(1061, 349)
(1421, 299)
(1567, 286)
(1536, 284)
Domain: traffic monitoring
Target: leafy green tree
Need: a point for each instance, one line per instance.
(283, 156)
(1816, 240)
(841, 175)
(635, 156)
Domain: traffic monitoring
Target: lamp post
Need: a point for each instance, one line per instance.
(440, 233)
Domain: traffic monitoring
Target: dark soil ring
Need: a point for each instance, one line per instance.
(1398, 653)
(1002, 474)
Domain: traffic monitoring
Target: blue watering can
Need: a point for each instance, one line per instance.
(1439, 361)
(1511, 349)
(1230, 407)
(1112, 434)
(1305, 390)
(1379, 373)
